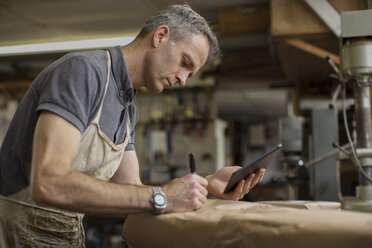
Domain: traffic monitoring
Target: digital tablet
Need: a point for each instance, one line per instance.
(262, 161)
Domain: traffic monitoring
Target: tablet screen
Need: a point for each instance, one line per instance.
(262, 161)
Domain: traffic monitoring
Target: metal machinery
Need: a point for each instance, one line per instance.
(356, 69)
(291, 133)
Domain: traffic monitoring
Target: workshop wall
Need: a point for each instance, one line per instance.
(174, 124)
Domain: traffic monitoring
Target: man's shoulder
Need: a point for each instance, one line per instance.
(97, 57)
(86, 62)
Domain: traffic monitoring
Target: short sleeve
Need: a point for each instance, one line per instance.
(72, 90)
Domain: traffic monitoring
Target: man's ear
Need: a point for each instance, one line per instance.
(161, 35)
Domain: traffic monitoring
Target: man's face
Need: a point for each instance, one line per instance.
(172, 62)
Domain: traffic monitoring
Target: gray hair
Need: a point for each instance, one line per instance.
(181, 18)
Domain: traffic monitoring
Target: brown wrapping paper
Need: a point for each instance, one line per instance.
(245, 224)
(309, 205)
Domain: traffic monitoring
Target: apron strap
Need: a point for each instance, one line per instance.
(128, 136)
(98, 116)
(96, 119)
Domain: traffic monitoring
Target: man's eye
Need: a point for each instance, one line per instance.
(184, 62)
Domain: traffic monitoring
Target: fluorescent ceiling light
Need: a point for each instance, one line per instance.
(63, 46)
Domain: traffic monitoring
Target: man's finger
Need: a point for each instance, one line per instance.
(201, 180)
(235, 195)
(248, 183)
(258, 177)
(203, 191)
(203, 199)
(262, 171)
(261, 177)
(255, 180)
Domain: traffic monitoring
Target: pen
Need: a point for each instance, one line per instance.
(192, 165)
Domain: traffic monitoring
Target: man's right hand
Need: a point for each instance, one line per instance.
(186, 193)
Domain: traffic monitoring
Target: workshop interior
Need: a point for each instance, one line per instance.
(292, 72)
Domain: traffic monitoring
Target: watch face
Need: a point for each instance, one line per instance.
(159, 199)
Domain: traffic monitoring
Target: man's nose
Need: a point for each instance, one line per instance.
(182, 77)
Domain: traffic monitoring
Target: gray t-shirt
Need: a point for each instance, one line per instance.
(71, 87)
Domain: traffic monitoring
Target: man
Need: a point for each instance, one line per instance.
(70, 146)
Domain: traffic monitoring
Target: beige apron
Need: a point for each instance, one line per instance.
(23, 223)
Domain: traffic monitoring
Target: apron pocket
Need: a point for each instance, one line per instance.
(49, 229)
(54, 222)
(27, 226)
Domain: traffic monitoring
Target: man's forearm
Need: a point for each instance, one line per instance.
(75, 191)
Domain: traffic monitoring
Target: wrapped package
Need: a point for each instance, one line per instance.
(222, 223)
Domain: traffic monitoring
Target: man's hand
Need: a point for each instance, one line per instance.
(186, 193)
(217, 183)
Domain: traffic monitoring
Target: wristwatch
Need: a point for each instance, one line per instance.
(159, 200)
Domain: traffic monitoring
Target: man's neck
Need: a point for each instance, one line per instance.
(134, 56)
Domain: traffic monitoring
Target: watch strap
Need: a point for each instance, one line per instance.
(157, 190)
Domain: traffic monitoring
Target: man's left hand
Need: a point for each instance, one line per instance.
(217, 183)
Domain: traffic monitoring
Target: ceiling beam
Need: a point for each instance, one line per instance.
(328, 13)
(314, 50)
